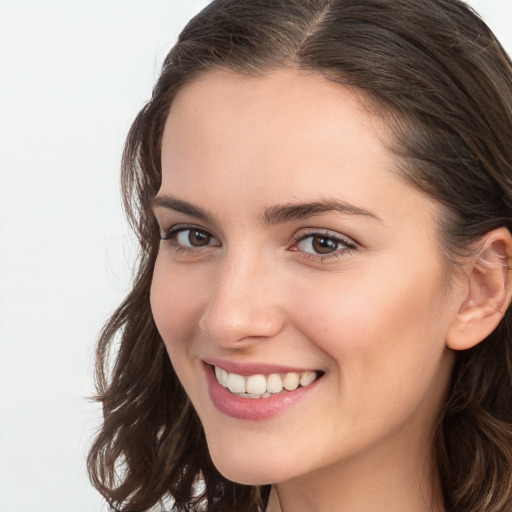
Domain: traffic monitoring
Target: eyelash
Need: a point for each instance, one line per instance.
(173, 233)
(348, 245)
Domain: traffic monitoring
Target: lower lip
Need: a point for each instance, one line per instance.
(252, 408)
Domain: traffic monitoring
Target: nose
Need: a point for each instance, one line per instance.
(244, 306)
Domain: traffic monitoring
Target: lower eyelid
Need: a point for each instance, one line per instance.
(193, 251)
(321, 257)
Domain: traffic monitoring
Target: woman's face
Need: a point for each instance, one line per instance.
(293, 251)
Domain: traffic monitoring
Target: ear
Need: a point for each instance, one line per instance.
(488, 292)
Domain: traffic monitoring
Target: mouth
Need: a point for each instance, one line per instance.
(264, 385)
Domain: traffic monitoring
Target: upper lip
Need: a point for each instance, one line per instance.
(250, 368)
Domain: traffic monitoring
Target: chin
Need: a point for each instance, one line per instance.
(243, 467)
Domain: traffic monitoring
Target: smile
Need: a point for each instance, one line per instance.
(264, 386)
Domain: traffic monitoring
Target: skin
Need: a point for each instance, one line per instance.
(373, 316)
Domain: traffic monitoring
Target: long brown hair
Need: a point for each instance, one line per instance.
(443, 83)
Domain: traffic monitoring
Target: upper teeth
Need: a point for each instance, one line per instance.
(257, 386)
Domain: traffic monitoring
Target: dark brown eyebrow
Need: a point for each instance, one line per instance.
(288, 212)
(178, 205)
(272, 215)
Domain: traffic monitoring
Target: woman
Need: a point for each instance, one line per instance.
(322, 191)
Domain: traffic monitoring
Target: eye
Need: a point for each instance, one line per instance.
(324, 245)
(190, 237)
(194, 238)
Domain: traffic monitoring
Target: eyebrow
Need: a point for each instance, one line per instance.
(288, 212)
(171, 203)
(273, 215)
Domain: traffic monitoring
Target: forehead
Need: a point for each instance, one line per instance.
(280, 138)
(225, 100)
(285, 120)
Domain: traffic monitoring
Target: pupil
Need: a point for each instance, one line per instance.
(324, 245)
(198, 238)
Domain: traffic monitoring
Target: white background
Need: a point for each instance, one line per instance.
(73, 74)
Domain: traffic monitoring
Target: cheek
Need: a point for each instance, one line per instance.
(175, 304)
(385, 343)
(375, 325)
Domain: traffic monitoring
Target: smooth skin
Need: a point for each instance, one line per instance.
(359, 293)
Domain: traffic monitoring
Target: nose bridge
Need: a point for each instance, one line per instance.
(242, 305)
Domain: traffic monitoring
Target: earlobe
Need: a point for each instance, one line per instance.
(489, 290)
